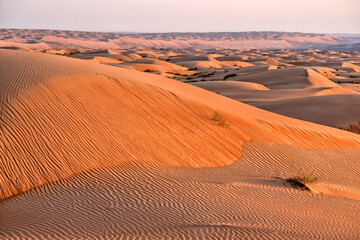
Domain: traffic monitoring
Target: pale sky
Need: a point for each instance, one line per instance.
(317, 16)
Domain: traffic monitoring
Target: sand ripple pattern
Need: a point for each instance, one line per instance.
(62, 116)
(101, 122)
(132, 202)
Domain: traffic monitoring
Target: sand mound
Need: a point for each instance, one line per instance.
(232, 58)
(63, 116)
(350, 65)
(159, 63)
(105, 60)
(169, 65)
(122, 58)
(317, 80)
(133, 56)
(288, 78)
(325, 71)
(200, 64)
(273, 61)
(255, 97)
(160, 69)
(115, 52)
(216, 86)
(236, 64)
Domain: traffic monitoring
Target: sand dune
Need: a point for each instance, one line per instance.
(200, 64)
(229, 86)
(288, 78)
(90, 150)
(350, 65)
(105, 60)
(54, 104)
(260, 96)
(159, 68)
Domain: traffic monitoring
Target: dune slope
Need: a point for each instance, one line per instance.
(99, 151)
(55, 125)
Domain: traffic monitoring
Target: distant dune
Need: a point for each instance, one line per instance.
(48, 39)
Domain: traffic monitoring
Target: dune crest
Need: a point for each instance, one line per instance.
(56, 125)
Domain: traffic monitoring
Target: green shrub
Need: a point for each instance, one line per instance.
(305, 177)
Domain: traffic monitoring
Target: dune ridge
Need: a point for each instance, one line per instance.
(59, 120)
(91, 148)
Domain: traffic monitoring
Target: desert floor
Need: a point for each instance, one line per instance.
(147, 143)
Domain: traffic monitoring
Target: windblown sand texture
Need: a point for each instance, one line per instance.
(164, 144)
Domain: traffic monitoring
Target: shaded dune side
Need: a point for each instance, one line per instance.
(60, 119)
(287, 78)
(338, 110)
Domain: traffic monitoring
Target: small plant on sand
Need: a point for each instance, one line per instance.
(305, 177)
(220, 120)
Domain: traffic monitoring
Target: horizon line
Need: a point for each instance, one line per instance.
(134, 32)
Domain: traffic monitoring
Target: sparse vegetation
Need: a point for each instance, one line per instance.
(220, 120)
(351, 82)
(305, 177)
(205, 74)
(229, 76)
(148, 70)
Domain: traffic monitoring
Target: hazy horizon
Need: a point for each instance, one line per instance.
(131, 32)
(159, 16)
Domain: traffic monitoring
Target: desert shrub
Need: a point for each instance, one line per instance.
(229, 76)
(220, 120)
(305, 177)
